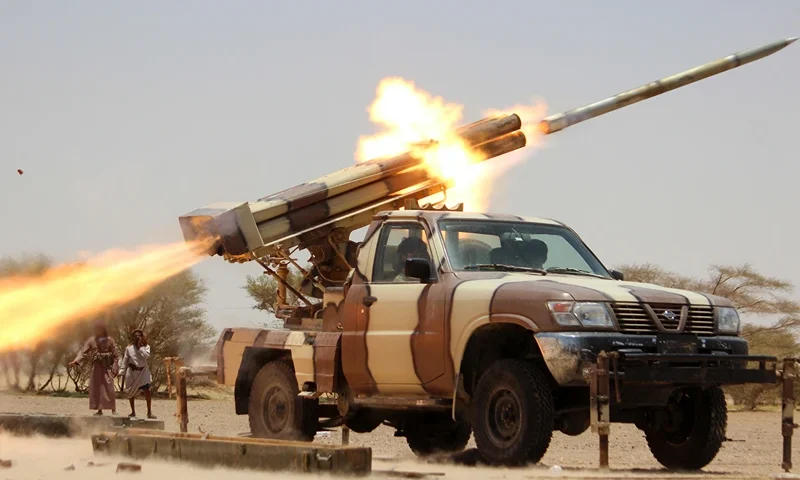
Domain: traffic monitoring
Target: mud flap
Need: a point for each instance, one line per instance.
(307, 408)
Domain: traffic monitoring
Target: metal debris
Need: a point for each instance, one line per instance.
(405, 474)
(599, 411)
(787, 423)
(128, 467)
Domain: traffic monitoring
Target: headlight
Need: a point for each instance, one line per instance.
(727, 320)
(587, 314)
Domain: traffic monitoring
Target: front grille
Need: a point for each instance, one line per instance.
(701, 320)
(635, 319)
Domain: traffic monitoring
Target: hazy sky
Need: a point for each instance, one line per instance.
(126, 115)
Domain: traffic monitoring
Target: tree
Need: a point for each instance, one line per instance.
(754, 295)
(263, 289)
(171, 317)
(49, 352)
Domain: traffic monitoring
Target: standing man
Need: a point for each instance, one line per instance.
(101, 350)
(137, 372)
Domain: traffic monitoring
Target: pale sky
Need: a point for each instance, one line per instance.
(126, 115)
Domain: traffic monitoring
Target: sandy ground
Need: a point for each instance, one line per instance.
(754, 449)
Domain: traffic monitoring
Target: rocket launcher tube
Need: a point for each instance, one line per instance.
(237, 232)
(323, 210)
(560, 121)
(361, 174)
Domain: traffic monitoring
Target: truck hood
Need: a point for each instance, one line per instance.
(585, 288)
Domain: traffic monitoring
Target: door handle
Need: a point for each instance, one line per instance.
(368, 301)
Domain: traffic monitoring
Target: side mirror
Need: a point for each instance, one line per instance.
(418, 268)
(617, 275)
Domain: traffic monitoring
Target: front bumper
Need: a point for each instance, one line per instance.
(654, 359)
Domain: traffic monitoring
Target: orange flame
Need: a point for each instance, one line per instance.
(411, 116)
(32, 308)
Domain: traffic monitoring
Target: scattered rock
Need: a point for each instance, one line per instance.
(555, 470)
(70, 468)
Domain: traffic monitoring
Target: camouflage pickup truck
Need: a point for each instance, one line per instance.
(455, 324)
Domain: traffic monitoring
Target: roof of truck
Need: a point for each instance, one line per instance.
(438, 215)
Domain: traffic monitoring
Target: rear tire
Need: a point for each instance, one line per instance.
(692, 430)
(513, 413)
(275, 411)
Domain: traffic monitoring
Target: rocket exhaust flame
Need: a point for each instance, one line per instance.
(33, 308)
(412, 119)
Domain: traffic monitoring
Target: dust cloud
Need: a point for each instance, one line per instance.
(41, 457)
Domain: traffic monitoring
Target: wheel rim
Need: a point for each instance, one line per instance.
(276, 409)
(503, 417)
(679, 419)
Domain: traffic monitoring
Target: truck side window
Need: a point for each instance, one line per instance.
(388, 266)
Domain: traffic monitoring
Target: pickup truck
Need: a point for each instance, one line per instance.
(453, 324)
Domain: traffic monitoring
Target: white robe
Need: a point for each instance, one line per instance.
(135, 378)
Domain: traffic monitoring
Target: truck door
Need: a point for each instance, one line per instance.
(402, 326)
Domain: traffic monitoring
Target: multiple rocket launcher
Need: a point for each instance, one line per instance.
(348, 199)
(345, 199)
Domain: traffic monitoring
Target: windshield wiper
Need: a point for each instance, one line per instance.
(502, 267)
(576, 271)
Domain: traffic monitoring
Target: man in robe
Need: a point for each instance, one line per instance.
(101, 350)
(136, 371)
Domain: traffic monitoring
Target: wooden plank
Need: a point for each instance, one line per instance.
(232, 452)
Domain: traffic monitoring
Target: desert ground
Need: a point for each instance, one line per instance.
(754, 449)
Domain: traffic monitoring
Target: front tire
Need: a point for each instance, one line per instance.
(513, 413)
(274, 410)
(691, 431)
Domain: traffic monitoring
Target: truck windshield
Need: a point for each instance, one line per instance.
(517, 246)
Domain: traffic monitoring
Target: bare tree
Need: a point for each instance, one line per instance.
(754, 295)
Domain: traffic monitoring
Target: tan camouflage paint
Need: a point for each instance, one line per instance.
(312, 362)
(412, 340)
